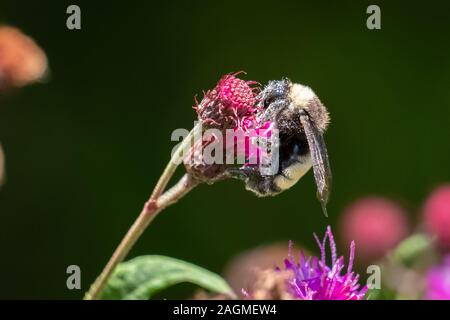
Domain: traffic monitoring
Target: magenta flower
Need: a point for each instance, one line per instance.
(313, 279)
(252, 143)
(438, 281)
(230, 105)
(232, 108)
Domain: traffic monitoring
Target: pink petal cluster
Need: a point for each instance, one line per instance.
(252, 143)
(314, 279)
(230, 105)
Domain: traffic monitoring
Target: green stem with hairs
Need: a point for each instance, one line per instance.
(157, 202)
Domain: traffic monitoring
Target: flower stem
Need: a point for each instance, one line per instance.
(148, 213)
(156, 203)
(177, 157)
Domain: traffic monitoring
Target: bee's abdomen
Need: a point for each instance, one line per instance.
(293, 172)
(263, 186)
(295, 161)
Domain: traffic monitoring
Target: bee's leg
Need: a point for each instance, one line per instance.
(272, 110)
(261, 185)
(242, 173)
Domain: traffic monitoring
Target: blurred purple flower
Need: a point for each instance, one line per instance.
(438, 281)
(315, 280)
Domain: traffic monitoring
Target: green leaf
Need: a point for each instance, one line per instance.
(142, 277)
(412, 248)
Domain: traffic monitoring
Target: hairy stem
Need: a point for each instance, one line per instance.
(148, 213)
(175, 160)
(156, 203)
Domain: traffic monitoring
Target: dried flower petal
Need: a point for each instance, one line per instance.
(244, 269)
(270, 285)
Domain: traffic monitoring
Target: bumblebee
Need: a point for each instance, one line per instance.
(301, 120)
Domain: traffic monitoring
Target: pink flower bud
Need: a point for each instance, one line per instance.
(230, 105)
(376, 225)
(436, 214)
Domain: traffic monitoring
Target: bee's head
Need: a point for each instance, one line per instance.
(274, 90)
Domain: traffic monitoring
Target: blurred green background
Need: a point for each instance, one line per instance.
(85, 149)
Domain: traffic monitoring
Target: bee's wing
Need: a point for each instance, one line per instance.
(319, 156)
